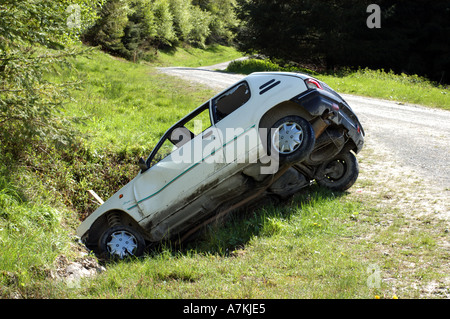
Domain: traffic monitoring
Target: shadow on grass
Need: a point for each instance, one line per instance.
(173, 50)
(235, 230)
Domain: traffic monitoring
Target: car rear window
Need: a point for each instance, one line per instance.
(231, 100)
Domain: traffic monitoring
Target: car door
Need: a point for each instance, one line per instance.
(184, 162)
(238, 130)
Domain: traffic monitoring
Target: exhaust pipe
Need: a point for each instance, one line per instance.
(320, 126)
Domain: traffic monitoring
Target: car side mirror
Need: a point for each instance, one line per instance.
(142, 165)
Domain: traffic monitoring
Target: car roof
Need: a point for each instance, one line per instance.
(273, 73)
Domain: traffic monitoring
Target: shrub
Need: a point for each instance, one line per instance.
(263, 65)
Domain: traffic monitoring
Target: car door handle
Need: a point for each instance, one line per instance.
(208, 134)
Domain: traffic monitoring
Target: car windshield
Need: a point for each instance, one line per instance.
(181, 133)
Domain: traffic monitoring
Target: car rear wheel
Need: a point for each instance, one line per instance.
(121, 241)
(340, 173)
(291, 139)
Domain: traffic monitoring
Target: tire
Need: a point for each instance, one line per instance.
(340, 173)
(121, 241)
(291, 139)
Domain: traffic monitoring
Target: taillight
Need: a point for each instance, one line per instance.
(313, 84)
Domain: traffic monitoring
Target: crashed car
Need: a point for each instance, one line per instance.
(270, 134)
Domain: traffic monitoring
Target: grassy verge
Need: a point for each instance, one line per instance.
(128, 106)
(300, 249)
(317, 245)
(390, 86)
(194, 57)
(120, 114)
(373, 83)
(31, 237)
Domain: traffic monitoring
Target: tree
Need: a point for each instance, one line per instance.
(182, 22)
(34, 39)
(131, 28)
(298, 30)
(223, 22)
(165, 33)
(109, 28)
(200, 31)
(334, 33)
(140, 30)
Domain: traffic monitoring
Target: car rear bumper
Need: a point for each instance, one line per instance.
(336, 110)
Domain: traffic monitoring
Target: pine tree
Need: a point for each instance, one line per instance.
(140, 31)
(34, 41)
(109, 28)
(165, 33)
(334, 33)
(182, 22)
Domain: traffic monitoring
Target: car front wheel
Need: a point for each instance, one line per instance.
(121, 241)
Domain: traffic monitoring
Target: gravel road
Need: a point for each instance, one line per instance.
(418, 136)
(412, 137)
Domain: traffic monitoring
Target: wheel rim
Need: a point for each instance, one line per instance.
(335, 170)
(122, 243)
(287, 138)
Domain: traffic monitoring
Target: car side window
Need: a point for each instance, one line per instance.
(231, 100)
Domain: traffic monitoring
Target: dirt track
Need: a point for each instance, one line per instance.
(407, 146)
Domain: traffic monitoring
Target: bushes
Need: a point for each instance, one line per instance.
(66, 174)
(263, 65)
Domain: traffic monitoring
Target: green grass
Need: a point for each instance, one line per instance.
(129, 106)
(387, 85)
(318, 245)
(295, 250)
(366, 82)
(194, 57)
(31, 237)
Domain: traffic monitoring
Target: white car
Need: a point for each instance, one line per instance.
(270, 134)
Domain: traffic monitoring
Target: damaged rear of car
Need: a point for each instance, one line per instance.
(269, 135)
